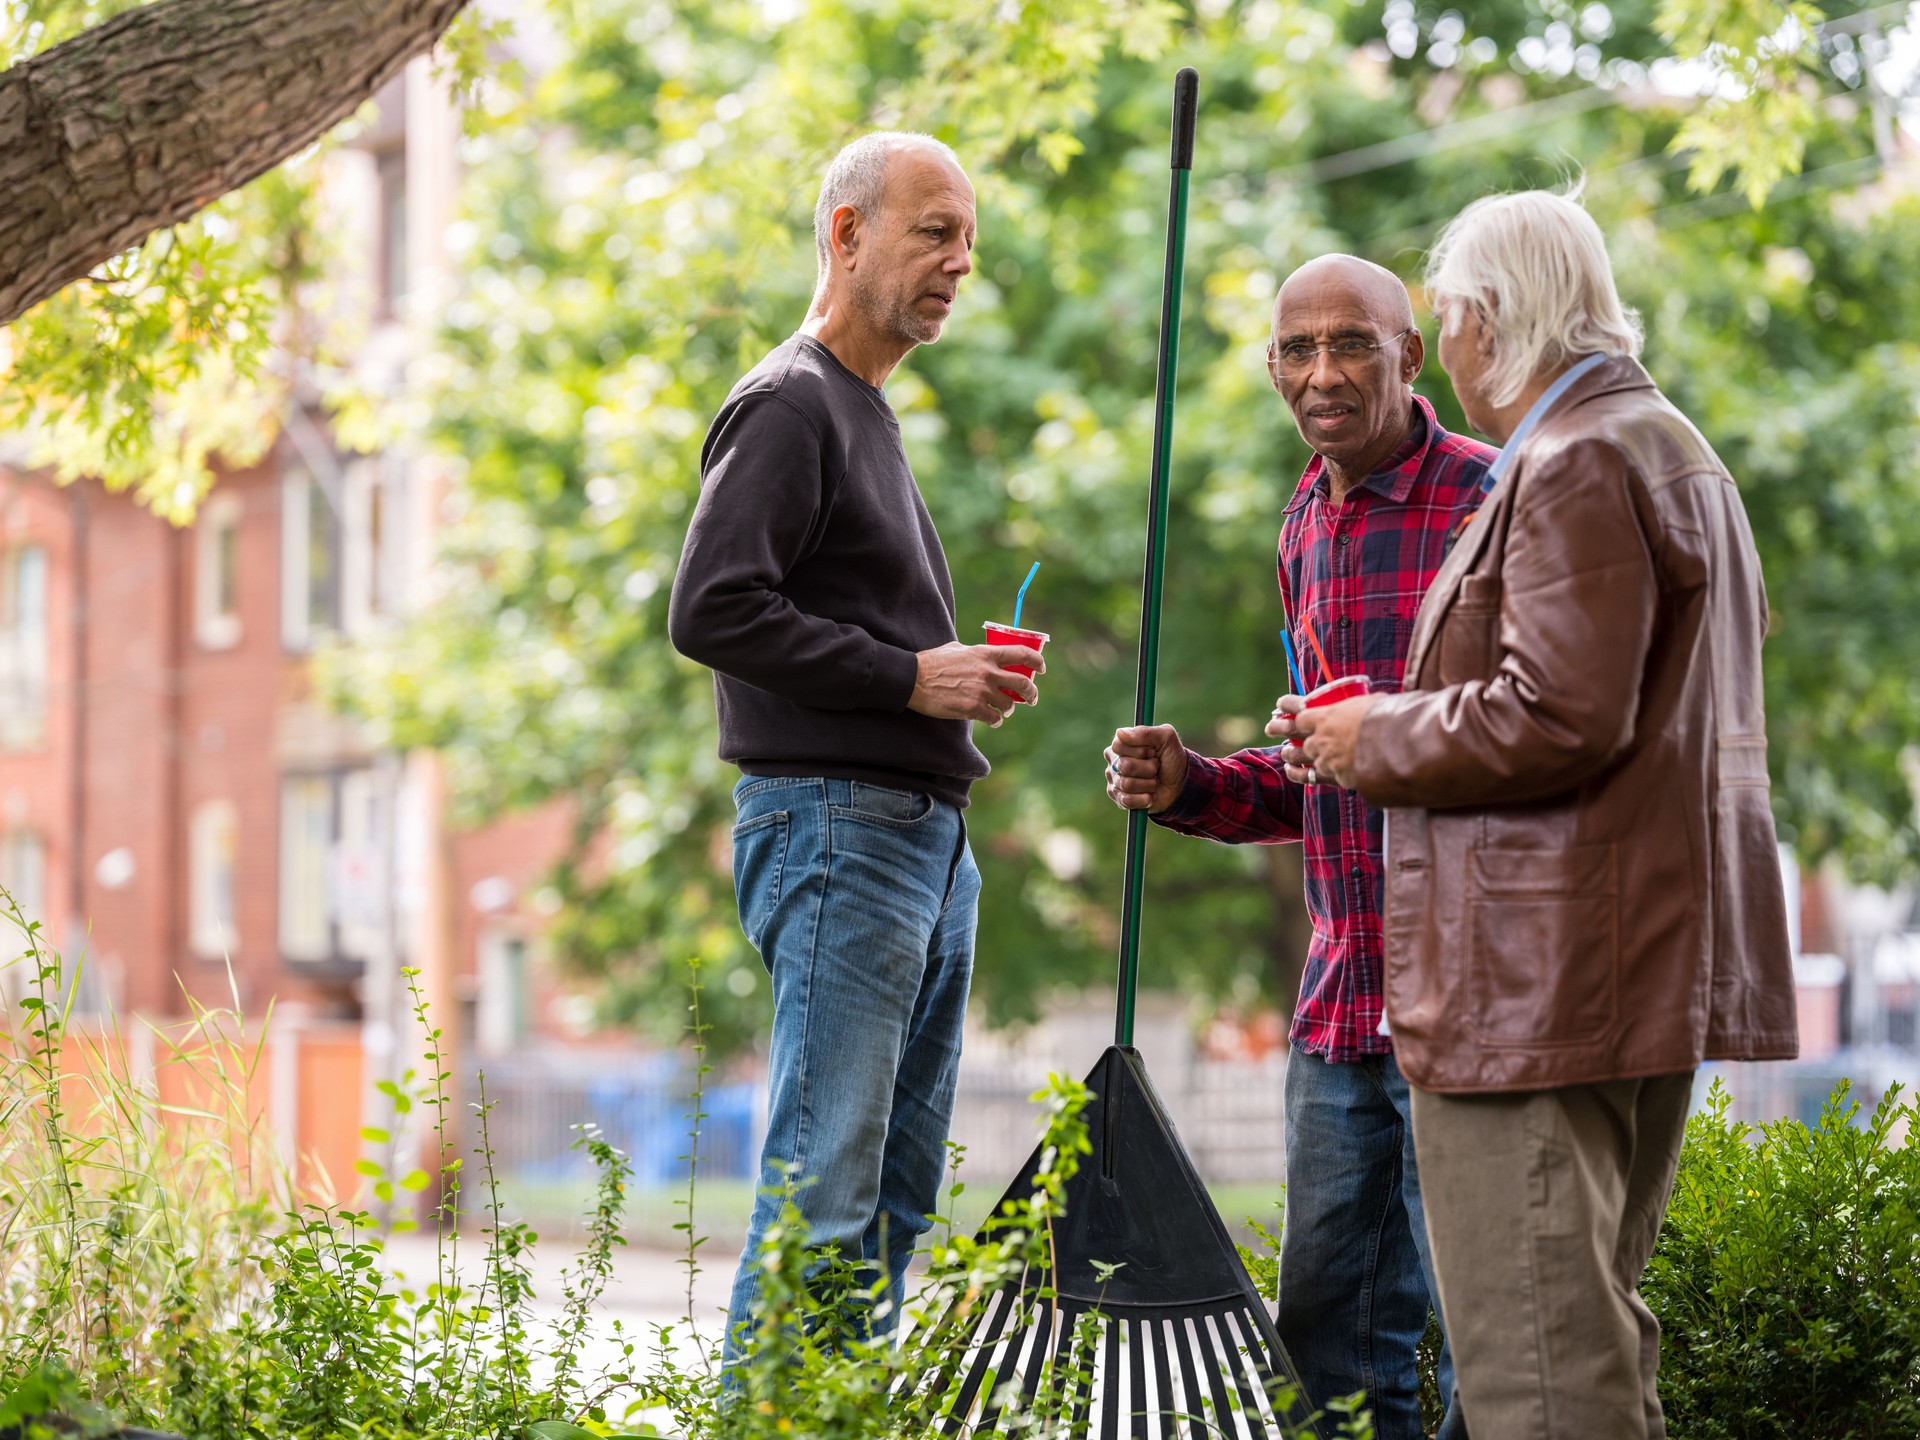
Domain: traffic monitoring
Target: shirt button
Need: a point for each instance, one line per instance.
(1341, 539)
(1344, 622)
(1356, 872)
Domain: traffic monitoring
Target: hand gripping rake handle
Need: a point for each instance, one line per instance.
(1186, 99)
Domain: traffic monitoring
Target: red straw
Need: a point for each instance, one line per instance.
(1326, 670)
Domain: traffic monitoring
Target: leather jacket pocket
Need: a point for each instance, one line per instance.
(1469, 641)
(1543, 945)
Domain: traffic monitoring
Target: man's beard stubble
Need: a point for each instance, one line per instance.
(889, 314)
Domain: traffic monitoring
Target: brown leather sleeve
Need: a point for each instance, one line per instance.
(1578, 596)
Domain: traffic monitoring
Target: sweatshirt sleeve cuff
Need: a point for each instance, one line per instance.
(890, 686)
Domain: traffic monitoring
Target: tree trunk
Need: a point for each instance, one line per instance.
(139, 122)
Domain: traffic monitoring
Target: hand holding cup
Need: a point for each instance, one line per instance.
(975, 682)
(1330, 736)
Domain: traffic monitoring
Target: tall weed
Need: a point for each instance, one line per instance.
(161, 1272)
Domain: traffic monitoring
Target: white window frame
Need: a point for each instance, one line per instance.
(360, 875)
(213, 856)
(216, 545)
(24, 655)
(300, 493)
(503, 1012)
(336, 869)
(373, 539)
(23, 870)
(306, 850)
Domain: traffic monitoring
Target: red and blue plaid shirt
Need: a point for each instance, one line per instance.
(1358, 569)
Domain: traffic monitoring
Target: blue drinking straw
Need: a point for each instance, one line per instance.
(1293, 666)
(1021, 598)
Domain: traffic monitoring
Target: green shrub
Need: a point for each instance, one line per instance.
(1787, 1277)
(163, 1276)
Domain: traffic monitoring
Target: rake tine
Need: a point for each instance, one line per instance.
(1040, 1363)
(1110, 1384)
(1069, 1316)
(1245, 1381)
(1264, 1359)
(1138, 1418)
(956, 1351)
(1164, 1402)
(1272, 1374)
(1192, 1396)
(1019, 1344)
(1004, 1304)
(1216, 1356)
(1083, 1379)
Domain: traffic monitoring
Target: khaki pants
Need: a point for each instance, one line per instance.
(1542, 1208)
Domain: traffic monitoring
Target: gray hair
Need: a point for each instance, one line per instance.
(1535, 265)
(858, 177)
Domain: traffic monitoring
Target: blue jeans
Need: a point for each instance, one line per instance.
(1356, 1274)
(861, 901)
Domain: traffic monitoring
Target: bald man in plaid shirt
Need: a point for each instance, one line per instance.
(1387, 492)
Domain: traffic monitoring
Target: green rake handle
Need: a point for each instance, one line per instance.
(1186, 100)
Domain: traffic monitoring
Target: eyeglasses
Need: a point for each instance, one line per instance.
(1298, 357)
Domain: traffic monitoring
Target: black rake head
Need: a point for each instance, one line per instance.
(1146, 1325)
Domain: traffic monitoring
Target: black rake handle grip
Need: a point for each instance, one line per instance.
(1186, 109)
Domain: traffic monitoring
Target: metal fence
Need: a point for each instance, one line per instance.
(1227, 1113)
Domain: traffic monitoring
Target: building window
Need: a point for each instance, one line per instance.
(373, 554)
(358, 882)
(23, 648)
(213, 843)
(309, 561)
(216, 573)
(391, 168)
(505, 1001)
(343, 571)
(23, 872)
(336, 872)
(306, 845)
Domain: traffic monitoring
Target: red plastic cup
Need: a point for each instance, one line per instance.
(1011, 635)
(1347, 687)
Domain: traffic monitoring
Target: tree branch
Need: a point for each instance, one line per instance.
(143, 120)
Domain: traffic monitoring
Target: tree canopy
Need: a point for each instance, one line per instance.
(143, 297)
(637, 236)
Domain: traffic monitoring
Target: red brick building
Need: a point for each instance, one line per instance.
(176, 806)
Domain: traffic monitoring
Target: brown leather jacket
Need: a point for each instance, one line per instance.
(1583, 882)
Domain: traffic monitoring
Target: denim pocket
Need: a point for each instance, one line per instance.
(759, 865)
(884, 805)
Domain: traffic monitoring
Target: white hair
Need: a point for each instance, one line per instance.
(1534, 266)
(858, 177)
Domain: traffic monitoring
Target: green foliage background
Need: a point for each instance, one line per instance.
(637, 235)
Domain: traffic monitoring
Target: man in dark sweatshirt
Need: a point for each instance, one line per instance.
(813, 583)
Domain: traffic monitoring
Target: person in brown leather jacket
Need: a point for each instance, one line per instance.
(1584, 895)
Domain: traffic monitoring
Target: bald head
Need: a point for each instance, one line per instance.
(862, 173)
(1368, 286)
(1343, 356)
